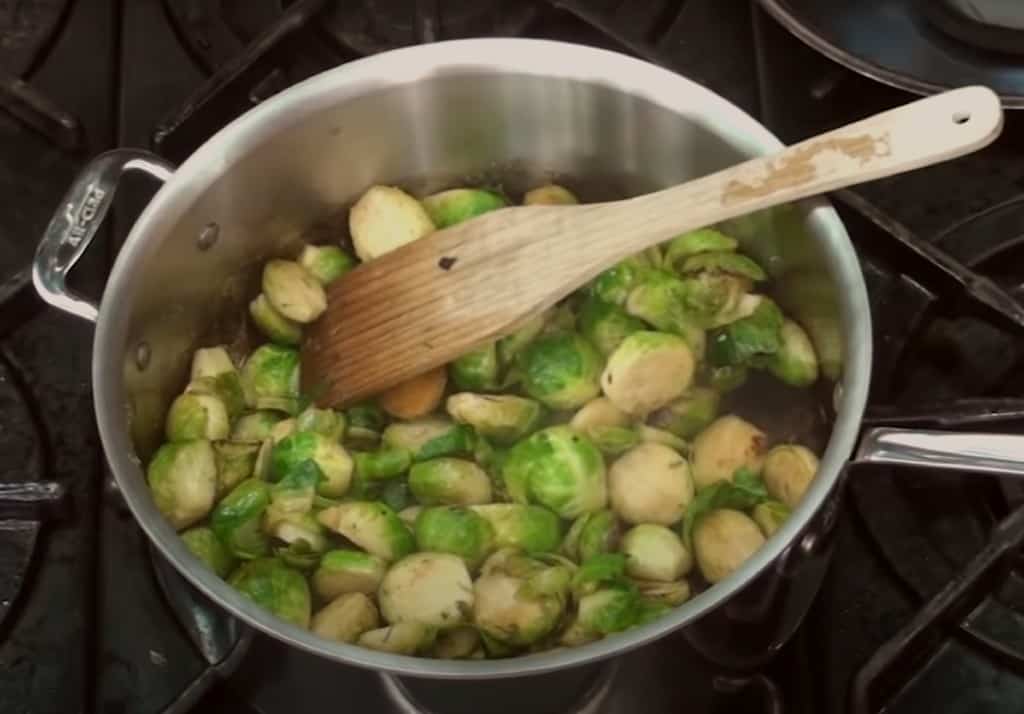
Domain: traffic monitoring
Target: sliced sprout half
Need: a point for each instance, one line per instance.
(346, 618)
(386, 218)
(292, 291)
(432, 589)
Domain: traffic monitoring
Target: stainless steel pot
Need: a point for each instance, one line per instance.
(427, 117)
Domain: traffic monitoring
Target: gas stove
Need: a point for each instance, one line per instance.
(922, 608)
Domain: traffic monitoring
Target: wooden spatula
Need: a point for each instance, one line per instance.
(432, 300)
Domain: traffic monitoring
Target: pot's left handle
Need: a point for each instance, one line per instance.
(978, 452)
(79, 216)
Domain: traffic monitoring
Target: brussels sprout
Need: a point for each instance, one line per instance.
(558, 468)
(455, 530)
(688, 414)
(598, 412)
(561, 318)
(365, 422)
(384, 463)
(511, 345)
(205, 545)
(686, 307)
(255, 427)
(560, 370)
(795, 363)
(213, 372)
(653, 435)
(530, 528)
(519, 609)
(727, 444)
(743, 492)
(727, 378)
(705, 240)
(549, 195)
(347, 571)
(270, 378)
(650, 483)
(615, 284)
(592, 534)
(294, 495)
(614, 440)
(477, 370)
(396, 494)
(456, 643)
(372, 526)
(669, 594)
(460, 204)
(788, 471)
(575, 635)
(433, 589)
(275, 327)
(325, 422)
(722, 542)
(292, 291)
(430, 438)
(409, 514)
(197, 416)
(326, 263)
(598, 571)
(606, 325)
(611, 609)
(415, 397)
(235, 463)
(386, 218)
(449, 481)
(648, 371)
(723, 262)
(743, 341)
(183, 479)
(329, 456)
(504, 418)
(301, 528)
(345, 618)
(238, 519)
(405, 638)
(274, 586)
(769, 516)
(655, 553)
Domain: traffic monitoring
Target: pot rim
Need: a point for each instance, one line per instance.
(543, 58)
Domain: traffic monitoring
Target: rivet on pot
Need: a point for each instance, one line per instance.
(208, 236)
(142, 355)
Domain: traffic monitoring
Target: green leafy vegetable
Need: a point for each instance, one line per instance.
(745, 491)
(741, 342)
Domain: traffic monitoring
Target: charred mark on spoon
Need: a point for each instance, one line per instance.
(446, 262)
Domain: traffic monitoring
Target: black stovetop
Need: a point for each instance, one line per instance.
(922, 608)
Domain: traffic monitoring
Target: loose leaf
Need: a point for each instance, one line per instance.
(745, 491)
(740, 342)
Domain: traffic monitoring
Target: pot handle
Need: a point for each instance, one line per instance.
(998, 454)
(79, 216)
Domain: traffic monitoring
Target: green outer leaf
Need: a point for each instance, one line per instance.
(600, 569)
(271, 584)
(237, 519)
(732, 263)
(740, 342)
(745, 491)
(460, 440)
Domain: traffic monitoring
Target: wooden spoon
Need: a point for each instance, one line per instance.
(430, 301)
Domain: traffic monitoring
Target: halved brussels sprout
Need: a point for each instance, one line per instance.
(560, 370)
(347, 571)
(364, 424)
(415, 397)
(295, 529)
(650, 483)
(382, 464)
(386, 218)
(460, 204)
(449, 481)
(606, 325)
(477, 370)
(549, 195)
(292, 291)
(665, 302)
(723, 262)
(653, 435)
(197, 416)
(430, 438)
(211, 362)
(668, 594)
(788, 471)
(615, 284)
(596, 413)
(456, 643)
(235, 463)
(648, 371)
(345, 618)
(558, 468)
(795, 363)
(270, 378)
(688, 414)
(769, 516)
(530, 528)
(213, 372)
(705, 240)
(275, 587)
(325, 422)
(614, 440)
(432, 589)
(511, 345)
(744, 341)
(613, 608)
(504, 418)
(372, 526)
(722, 542)
(405, 638)
(238, 519)
(326, 263)
(456, 530)
(182, 477)
(255, 427)
(520, 607)
(332, 459)
(205, 545)
(727, 444)
(275, 327)
(654, 552)
(592, 534)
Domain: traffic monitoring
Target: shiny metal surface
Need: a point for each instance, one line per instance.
(894, 42)
(1001, 454)
(513, 111)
